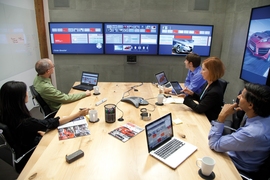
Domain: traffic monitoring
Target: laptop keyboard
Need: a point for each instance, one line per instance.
(169, 148)
(168, 85)
(85, 87)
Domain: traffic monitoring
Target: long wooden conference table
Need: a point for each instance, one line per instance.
(106, 157)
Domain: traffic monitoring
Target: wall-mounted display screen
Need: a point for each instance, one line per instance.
(131, 38)
(181, 39)
(76, 38)
(256, 59)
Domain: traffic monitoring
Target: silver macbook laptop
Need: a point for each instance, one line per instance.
(88, 81)
(163, 145)
(162, 79)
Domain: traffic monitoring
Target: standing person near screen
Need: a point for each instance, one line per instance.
(43, 85)
(194, 80)
(210, 99)
(26, 131)
(248, 146)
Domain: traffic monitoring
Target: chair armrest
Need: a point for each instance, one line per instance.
(51, 115)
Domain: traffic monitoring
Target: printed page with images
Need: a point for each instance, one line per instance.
(126, 132)
(75, 128)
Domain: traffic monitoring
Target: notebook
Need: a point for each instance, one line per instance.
(162, 79)
(159, 134)
(88, 81)
(176, 87)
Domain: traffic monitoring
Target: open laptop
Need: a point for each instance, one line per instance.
(162, 79)
(159, 134)
(176, 87)
(88, 81)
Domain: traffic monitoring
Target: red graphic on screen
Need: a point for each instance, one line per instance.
(196, 32)
(148, 30)
(182, 37)
(65, 29)
(92, 29)
(62, 38)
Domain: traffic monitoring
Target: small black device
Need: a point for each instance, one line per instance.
(237, 101)
(74, 156)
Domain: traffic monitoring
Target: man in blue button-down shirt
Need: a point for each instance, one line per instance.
(194, 80)
(249, 146)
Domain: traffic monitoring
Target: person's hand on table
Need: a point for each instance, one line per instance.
(167, 90)
(88, 93)
(84, 112)
(187, 91)
(41, 133)
(181, 95)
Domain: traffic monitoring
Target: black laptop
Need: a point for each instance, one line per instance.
(88, 81)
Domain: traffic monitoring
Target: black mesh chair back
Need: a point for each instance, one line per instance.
(45, 109)
(223, 84)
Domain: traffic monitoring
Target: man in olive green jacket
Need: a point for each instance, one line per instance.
(53, 97)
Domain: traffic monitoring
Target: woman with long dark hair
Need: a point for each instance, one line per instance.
(26, 131)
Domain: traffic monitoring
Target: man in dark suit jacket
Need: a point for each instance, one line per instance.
(211, 98)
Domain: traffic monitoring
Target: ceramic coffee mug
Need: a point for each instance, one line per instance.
(206, 164)
(93, 115)
(96, 89)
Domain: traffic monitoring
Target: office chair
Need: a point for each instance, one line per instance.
(223, 84)
(7, 151)
(7, 171)
(44, 108)
(7, 156)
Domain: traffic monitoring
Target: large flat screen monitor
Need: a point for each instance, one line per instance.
(131, 38)
(256, 59)
(76, 38)
(181, 39)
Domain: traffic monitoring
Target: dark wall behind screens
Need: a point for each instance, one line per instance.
(131, 38)
(76, 38)
(181, 39)
(256, 59)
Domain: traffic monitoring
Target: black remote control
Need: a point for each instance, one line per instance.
(74, 156)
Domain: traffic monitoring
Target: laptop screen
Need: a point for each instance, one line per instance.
(159, 131)
(89, 78)
(161, 78)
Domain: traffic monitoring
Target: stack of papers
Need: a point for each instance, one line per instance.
(173, 100)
